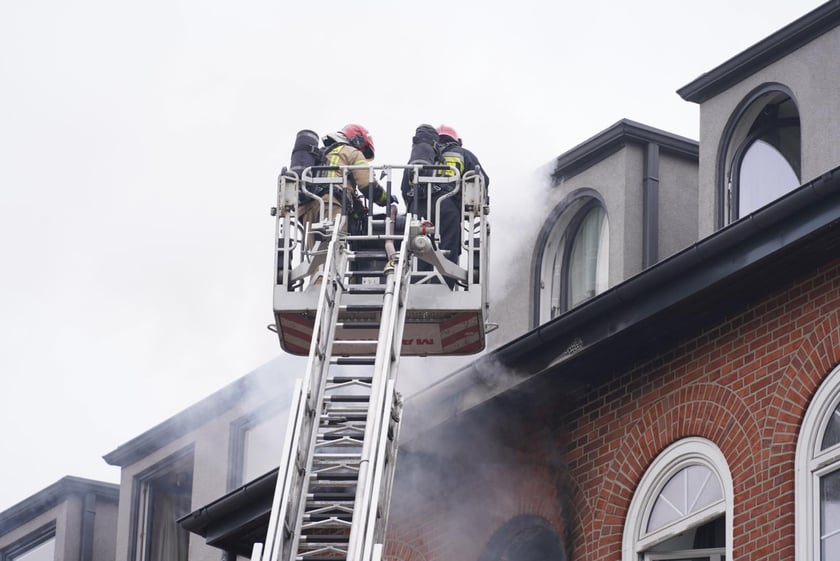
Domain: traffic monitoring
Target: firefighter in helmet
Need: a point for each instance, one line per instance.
(448, 151)
(350, 146)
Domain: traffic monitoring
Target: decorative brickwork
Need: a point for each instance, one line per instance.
(743, 384)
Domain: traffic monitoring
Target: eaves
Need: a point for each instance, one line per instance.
(667, 302)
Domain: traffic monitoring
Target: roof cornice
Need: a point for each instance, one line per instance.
(193, 417)
(53, 495)
(765, 52)
(612, 139)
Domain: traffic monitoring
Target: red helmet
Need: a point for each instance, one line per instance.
(359, 137)
(446, 130)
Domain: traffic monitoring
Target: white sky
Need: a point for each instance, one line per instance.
(140, 143)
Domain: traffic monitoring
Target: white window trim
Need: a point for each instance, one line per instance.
(810, 465)
(681, 454)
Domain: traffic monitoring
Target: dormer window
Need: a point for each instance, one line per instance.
(764, 149)
(574, 262)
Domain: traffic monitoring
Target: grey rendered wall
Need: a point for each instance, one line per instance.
(677, 204)
(211, 452)
(812, 73)
(104, 530)
(618, 180)
(65, 539)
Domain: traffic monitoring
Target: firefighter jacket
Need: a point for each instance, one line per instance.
(455, 155)
(346, 155)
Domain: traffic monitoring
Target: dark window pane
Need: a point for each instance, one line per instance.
(832, 431)
(830, 516)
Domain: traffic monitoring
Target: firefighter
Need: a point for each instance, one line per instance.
(350, 146)
(449, 151)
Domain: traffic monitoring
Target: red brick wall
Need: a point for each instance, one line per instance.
(744, 385)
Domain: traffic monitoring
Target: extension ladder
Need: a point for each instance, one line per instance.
(341, 444)
(333, 488)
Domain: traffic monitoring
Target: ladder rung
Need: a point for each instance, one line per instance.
(312, 504)
(336, 456)
(347, 398)
(345, 477)
(307, 552)
(327, 496)
(332, 421)
(343, 409)
(354, 361)
(326, 521)
(324, 538)
(366, 288)
(358, 324)
(345, 379)
(367, 254)
(361, 308)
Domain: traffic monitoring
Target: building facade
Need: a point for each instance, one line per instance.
(667, 387)
(73, 519)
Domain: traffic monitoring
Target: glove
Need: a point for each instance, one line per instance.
(380, 195)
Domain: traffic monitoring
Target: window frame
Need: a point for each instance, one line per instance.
(30, 542)
(813, 463)
(679, 455)
(140, 511)
(734, 142)
(554, 242)
(573, 232)
(238, 431)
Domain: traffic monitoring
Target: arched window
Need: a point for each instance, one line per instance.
(763, 159)
(574, 259)
(586, 267)
(526, 537)
(682, 508)
(818, 476)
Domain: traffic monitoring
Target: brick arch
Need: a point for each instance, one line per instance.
(514, 538)
(535, 493)
(706, 410)
(400, 550)
(815, 357)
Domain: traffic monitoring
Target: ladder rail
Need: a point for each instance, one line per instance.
(303, 417)
(282, 488)
(334, 486)
(320, 351)
(378, 419)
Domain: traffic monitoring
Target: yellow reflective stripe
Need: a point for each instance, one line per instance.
(334, 159)
(455, 160)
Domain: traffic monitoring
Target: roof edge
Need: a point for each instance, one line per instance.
(52, 495)
(714, 259)
(189, 419)
(593, 150)
(774, 47)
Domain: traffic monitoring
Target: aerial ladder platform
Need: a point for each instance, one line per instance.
(356, 300)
